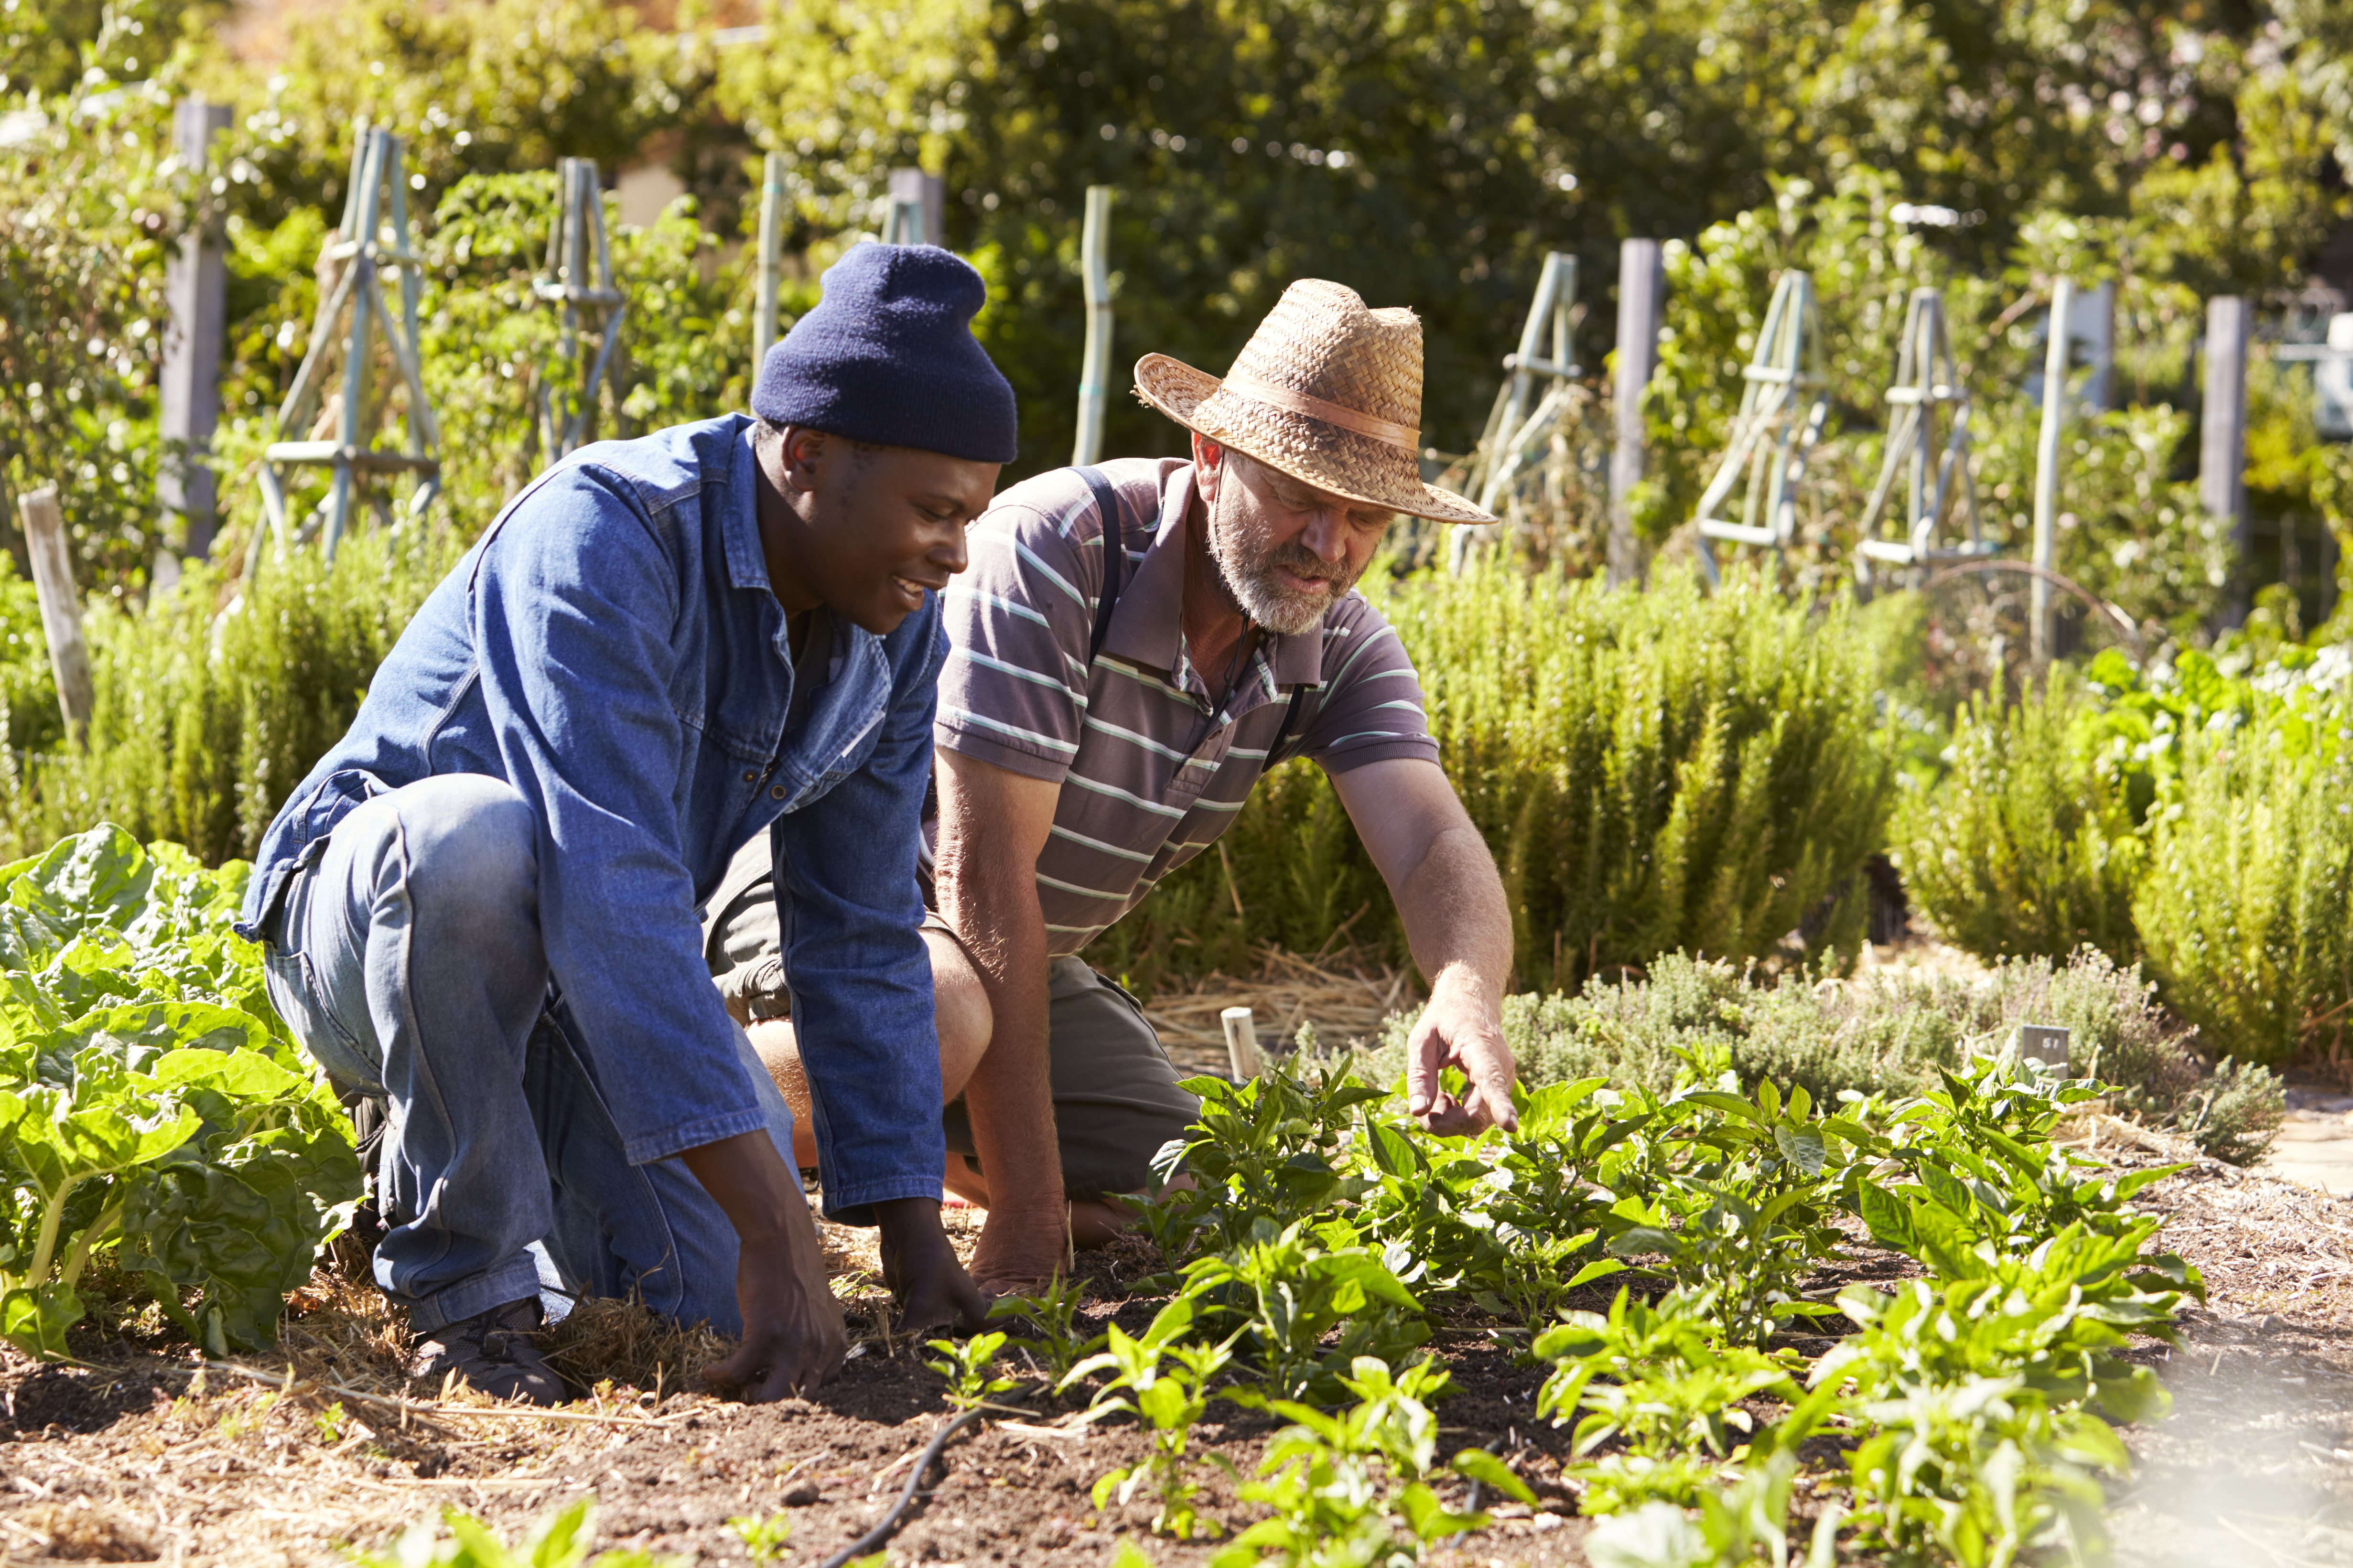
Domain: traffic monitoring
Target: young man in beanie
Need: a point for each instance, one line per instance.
(480, 907)
(1134, 647)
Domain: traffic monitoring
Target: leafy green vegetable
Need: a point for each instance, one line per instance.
(152, 1104)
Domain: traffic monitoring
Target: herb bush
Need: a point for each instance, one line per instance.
(2247, 912)
(205, 722)
(2026, 845)
(1652, 771)
(154, 1111)
(2200, 815)
(1884, 1033)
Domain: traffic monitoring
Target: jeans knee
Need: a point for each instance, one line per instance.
(472, 846)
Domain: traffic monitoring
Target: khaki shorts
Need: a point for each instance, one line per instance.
(1115, 1095)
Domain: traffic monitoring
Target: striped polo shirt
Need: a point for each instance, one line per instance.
(1150, 769)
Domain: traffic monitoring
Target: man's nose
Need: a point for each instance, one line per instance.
(1325, 536)
(952, 554)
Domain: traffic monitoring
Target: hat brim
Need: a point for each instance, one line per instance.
(1326, 456)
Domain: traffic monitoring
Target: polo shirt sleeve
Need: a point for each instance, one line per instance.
(1370, 709)
(1014, 690)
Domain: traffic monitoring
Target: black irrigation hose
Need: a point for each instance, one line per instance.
(888, 1525)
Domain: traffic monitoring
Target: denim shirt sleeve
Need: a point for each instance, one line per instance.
(573, 619)
(861, 977)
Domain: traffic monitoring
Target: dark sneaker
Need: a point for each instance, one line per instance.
(492, 1351)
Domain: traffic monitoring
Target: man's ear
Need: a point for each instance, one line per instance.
(1208, 466)
(803, 456)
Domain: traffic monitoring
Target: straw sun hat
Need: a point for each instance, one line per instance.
(1327, 391)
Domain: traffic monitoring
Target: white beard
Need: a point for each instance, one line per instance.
(1250, 581)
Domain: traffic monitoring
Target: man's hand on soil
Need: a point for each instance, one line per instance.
(1021, 1250)
(926, 1283)
(1461, 1027)
(793, 1335)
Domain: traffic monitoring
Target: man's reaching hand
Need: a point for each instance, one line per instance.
(926, 1283)
(1460, 1029)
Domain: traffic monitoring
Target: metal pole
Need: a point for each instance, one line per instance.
(2222, 441)
(772, 228)
(1094, 368)
(2046, 470)
(1641, 290)
(195, 285)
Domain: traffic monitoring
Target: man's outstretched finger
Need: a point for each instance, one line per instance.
(1425, 1055)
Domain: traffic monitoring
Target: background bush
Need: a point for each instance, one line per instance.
(1885, 1033)
(2025, 847)
(1652, 771)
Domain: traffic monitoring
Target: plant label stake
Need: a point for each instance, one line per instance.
(1514, 432)
(1926, 384)
(1241, 1043)
(372, 238)
(2045, 1044)
(1771, 436)
(579, 282)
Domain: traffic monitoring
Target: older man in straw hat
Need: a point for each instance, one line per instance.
(1133, 647)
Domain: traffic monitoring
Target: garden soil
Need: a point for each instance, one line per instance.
(142, 1456)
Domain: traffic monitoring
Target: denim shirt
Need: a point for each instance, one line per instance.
(611, 649)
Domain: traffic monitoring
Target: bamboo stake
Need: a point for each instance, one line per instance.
(772, 225)
(1094, 367)
(2046, 472)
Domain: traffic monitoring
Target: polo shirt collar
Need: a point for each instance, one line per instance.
(1147, 626)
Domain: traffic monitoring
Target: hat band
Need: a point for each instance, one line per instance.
(1283, 398)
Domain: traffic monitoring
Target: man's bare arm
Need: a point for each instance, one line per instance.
(1459, 926)
(993, 824)
(792, 1337)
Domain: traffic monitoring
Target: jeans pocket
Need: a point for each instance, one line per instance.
(294, 991)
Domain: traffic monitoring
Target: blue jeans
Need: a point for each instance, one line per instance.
(409, 960)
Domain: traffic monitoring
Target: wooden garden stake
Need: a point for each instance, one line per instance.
(2046, 472)
(53, 581)
(771, 225)
(579, 282)
(2222, 436)
(1094, 368)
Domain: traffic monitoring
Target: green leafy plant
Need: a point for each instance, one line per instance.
(151, 1104)
(561, 1538)
(1738, 1522)
(1260, 1150)
(1162, 1379)
(1305, 1303)
(1353, 1485)
(1051, 1316)
(970, 1369)
(764, 1539)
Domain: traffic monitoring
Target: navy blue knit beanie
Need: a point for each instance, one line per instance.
(887, 356)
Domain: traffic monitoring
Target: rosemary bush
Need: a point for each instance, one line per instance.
(1654, 771)
(203, 724)
(2247, 912)
(2026, 847)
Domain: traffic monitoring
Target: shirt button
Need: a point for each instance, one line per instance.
(777, 792)
(749, 776)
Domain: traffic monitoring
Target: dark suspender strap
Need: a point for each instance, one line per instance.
(1114, 554)
(1289, 719)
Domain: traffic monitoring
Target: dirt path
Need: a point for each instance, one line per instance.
(2316, 1141)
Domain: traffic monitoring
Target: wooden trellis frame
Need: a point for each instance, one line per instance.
(372, 238)
(1774, 432)
(1514, 431)
(1933, 476)
(579, 283)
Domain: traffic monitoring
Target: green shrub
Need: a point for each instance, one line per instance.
(203, 722)
(2025, 846)
(1652, 771)
(2247, 912)
(1885, 1033)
